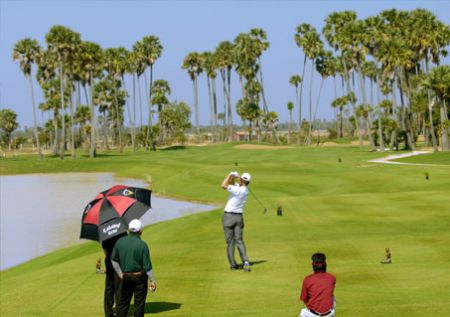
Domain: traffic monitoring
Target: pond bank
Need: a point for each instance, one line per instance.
(40, 213)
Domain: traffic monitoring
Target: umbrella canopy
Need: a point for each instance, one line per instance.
(109, 213)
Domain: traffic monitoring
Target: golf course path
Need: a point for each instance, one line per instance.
(390, 159)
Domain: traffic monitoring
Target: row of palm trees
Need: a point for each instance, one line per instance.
(389, 54)
(70, 66)
(244, 56)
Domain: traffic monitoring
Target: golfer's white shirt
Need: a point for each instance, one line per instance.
(237, 199)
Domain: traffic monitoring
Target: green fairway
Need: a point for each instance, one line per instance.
(350, 210)
(441, 158)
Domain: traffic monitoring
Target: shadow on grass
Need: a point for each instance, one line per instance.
(103, 155)
(241, 266)
(257, 262)
(156, 307)
(173, 148)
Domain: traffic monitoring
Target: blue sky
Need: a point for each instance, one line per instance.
(183, 27)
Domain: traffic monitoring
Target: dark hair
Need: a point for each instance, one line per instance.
(319, 262)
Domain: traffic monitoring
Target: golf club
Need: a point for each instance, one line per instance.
(265, 209)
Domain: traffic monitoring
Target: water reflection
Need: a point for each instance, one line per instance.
(40, 213)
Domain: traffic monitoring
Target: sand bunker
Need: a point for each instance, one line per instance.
(261, 147)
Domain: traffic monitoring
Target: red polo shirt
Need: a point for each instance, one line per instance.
(318, 290)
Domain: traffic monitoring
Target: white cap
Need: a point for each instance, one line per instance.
(135, 225)
(246, 177)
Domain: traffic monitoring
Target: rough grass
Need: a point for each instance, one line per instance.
(349, 212)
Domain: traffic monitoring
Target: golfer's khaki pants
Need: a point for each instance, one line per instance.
(233, 226)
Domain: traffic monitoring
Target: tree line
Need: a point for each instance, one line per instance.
(389, 85)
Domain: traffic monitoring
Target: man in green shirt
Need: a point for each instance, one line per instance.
(130, 259)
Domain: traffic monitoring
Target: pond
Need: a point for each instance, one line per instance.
(40, 213)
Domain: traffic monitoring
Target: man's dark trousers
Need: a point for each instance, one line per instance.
(112, 293)
(138, 285)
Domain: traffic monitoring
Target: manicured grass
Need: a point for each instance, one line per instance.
(441, 158)
(350, 210)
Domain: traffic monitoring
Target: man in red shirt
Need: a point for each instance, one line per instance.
(318, 290)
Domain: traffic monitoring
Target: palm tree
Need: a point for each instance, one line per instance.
(225, 58)
(439, 82)
(123, 67)
(8, 123)
(139, 65)
(133, 69)
(28, 52)
(290, 106)
(309, 40)
(92, 60)
(49, 83)
(300, 39)
(295, 80)
(325, 67)
(149, 49)
(63, 42)
(210, 66)
(193, 63)
(339, 103)
(160, 90)
(250, 111)
(336, 31)
(82, 116)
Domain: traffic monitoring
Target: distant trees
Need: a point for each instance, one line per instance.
(393, 86)
(8, 124)
(28, 52)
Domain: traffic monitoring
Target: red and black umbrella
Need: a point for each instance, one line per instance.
(110, 212)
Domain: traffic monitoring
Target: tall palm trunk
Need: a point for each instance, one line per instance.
(289, 127)
(394, 112)
(147, 131)
(225, 116)
(149, 135)
(230, 114)
(72, 132)
(369, 117)
(119, 125)
(405, 113)
(197, 115)
(317, 106)
(380, 121)
(105, 131)
(308, 140)
(430, 108)
(63, 132)
(300, 102)
(134, 113)
(92, 152)
(211, 108)
(347, 81)
(55, 148)
(335, 109)
(444, 132)
(214, 108)
(266, 108)
(36, 133)
(130, 119)
(140, 102)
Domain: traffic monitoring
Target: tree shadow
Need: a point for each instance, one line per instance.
(173, 148)
(102, 155)
(156, 307)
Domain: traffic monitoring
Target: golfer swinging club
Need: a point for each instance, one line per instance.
(232, 220)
